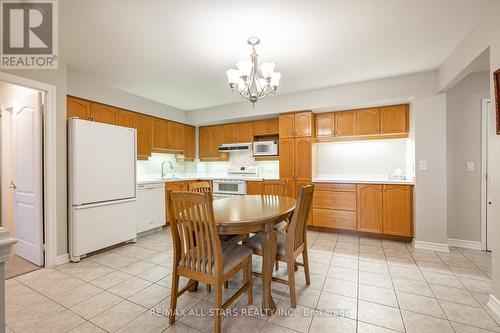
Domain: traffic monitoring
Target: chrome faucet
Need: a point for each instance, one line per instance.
(163, 172)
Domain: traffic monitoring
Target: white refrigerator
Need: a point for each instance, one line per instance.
(102, 186)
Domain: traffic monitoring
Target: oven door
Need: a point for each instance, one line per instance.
(230, 187)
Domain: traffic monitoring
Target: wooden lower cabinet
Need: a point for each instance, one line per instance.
(338, 219)
(173, 186)
(372, 208)
(369, 199)
(398, 213)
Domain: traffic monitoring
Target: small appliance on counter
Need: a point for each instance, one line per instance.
(102, 186)
(235, 183)
(265, 148)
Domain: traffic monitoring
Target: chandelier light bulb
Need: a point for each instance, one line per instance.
(275, 79)
(233, 76)
(267, 69)
(245, 67)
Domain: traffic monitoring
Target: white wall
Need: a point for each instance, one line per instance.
(455, 68)
(430, 189)
(358, 159)
(402, 89)
(463, 140)
(80, 85)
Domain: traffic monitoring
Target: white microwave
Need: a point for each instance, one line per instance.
(265, 148)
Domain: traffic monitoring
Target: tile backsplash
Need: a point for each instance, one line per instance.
(152, 167)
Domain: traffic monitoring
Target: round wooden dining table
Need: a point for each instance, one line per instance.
(251, 214)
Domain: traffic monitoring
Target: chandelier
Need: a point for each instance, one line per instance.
(252, 81)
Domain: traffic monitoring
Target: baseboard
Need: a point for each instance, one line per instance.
(421, 245)
(62, 259)
(464, 244)
(494, 305)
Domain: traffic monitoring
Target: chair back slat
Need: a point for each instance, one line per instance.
(296, 235)
(196, 241)
(200, 187)
(274, 187)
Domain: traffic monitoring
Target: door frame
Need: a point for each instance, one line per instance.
(485, 130)
(49, 161)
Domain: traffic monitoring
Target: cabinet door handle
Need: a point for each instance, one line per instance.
(334, 219)
(333, 187)
(333, 202)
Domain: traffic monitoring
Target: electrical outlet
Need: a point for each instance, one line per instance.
(469, 166)
(422, 165)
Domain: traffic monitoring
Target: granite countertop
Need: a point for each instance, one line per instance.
(362, 180)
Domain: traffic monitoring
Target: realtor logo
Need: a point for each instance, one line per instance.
(29, 34)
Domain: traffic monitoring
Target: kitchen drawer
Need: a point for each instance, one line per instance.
(335, 187)
(335, 200)
(334, 219)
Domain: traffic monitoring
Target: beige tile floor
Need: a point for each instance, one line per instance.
(358, 285)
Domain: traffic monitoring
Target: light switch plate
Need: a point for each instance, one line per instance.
(422, 165)
(469, 166)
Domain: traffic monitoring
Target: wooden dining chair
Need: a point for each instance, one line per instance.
(274, 187)
(200, 187)
(291, 244)
(199, 254)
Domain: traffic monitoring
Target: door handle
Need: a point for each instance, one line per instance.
(12, 185)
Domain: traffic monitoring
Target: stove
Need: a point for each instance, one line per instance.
(235, 183)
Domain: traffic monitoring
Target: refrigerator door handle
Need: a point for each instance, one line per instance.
(105, 203)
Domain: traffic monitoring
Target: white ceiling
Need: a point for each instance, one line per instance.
(177, 52)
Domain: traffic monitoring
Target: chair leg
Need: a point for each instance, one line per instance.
(218, 307)
(173, 297)
(291, 283)
(247, 271)
(277, 265)
(226, 284)
(305, 260)
(209, 287)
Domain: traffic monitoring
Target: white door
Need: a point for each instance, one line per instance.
(27, 178)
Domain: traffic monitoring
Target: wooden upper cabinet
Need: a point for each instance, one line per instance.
(175, 136)
(398, 210)
(265, 127)
(126, 118)
(160, 135)
(103, 113)
(273, 126)
(217, 140)
(259, 127)
(144, 125)
(205, 142)
(368, 121)
(76, 107)
(189, 134)
(304, 123)
(229, 133)
(394, 119)
(303, 158)
(299, 124)
(244, 132)
(325, 125)
(287, 158)
(345, 123)
(287, 126)
(369, 208)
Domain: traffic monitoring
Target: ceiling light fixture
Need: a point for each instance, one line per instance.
(252, 81)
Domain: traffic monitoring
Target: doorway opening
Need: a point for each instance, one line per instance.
(21, 176)
(486, 124)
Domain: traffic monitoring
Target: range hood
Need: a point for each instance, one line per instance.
(232, 147)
